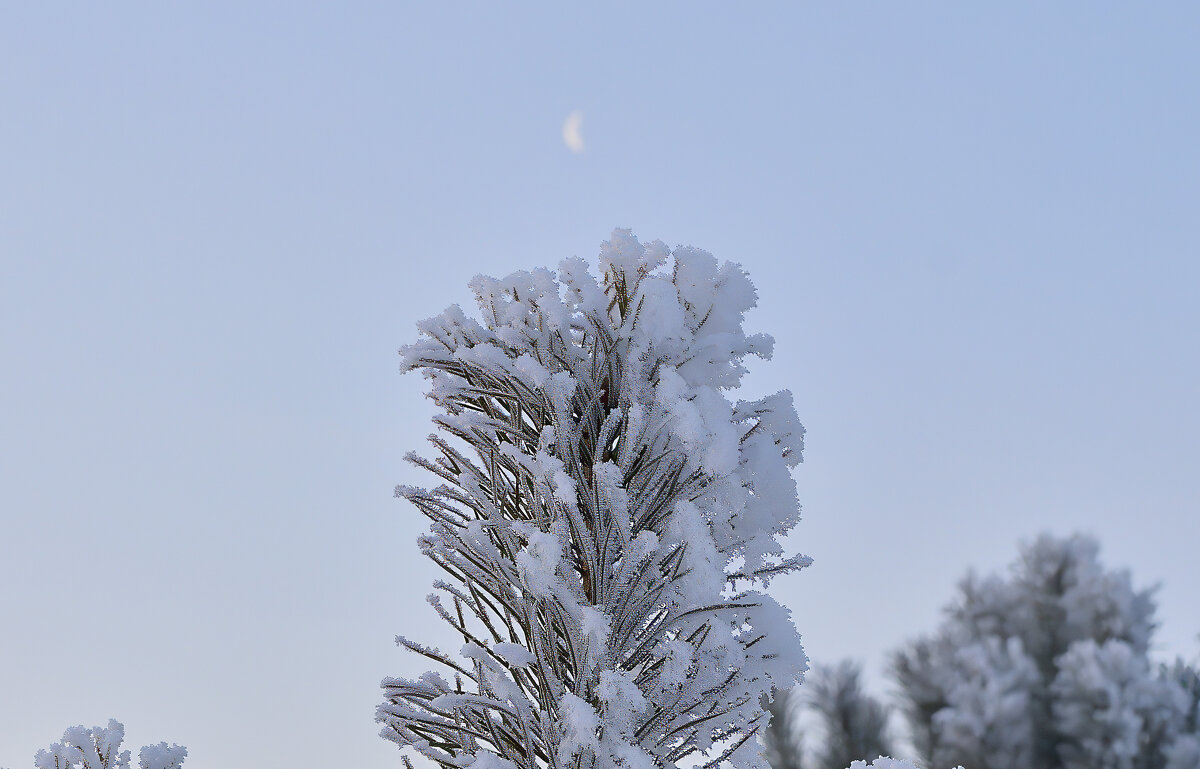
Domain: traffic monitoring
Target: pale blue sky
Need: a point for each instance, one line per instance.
(974, 231)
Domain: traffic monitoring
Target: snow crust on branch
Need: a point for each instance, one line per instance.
(607, 518)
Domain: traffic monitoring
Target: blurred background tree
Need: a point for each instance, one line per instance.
(1046, 667)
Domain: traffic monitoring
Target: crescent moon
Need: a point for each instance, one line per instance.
(572, 132)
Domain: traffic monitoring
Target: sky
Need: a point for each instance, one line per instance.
(973, 228)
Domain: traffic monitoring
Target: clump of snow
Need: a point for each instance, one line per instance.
(484, 760)
(162, 756)
(514, 654)
(580, 722)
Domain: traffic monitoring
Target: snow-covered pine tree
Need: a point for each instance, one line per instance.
(1185, 750)
(854, 724)
(1047, 669)
(607, 521)
(850, 724)
(100, 748)
(783, 739)
(1110, 709)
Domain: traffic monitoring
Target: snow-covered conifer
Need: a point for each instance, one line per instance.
(975, 705)
(854, 724)
(1184, 752)
(846, 724)
(607, 521)
(1111, 712)
(783, 740)
(100, 748)
(1045, 669)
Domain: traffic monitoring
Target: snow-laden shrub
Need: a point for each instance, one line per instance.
(100, 748)
(607, 521)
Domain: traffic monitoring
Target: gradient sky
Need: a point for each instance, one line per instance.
(975, 233)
